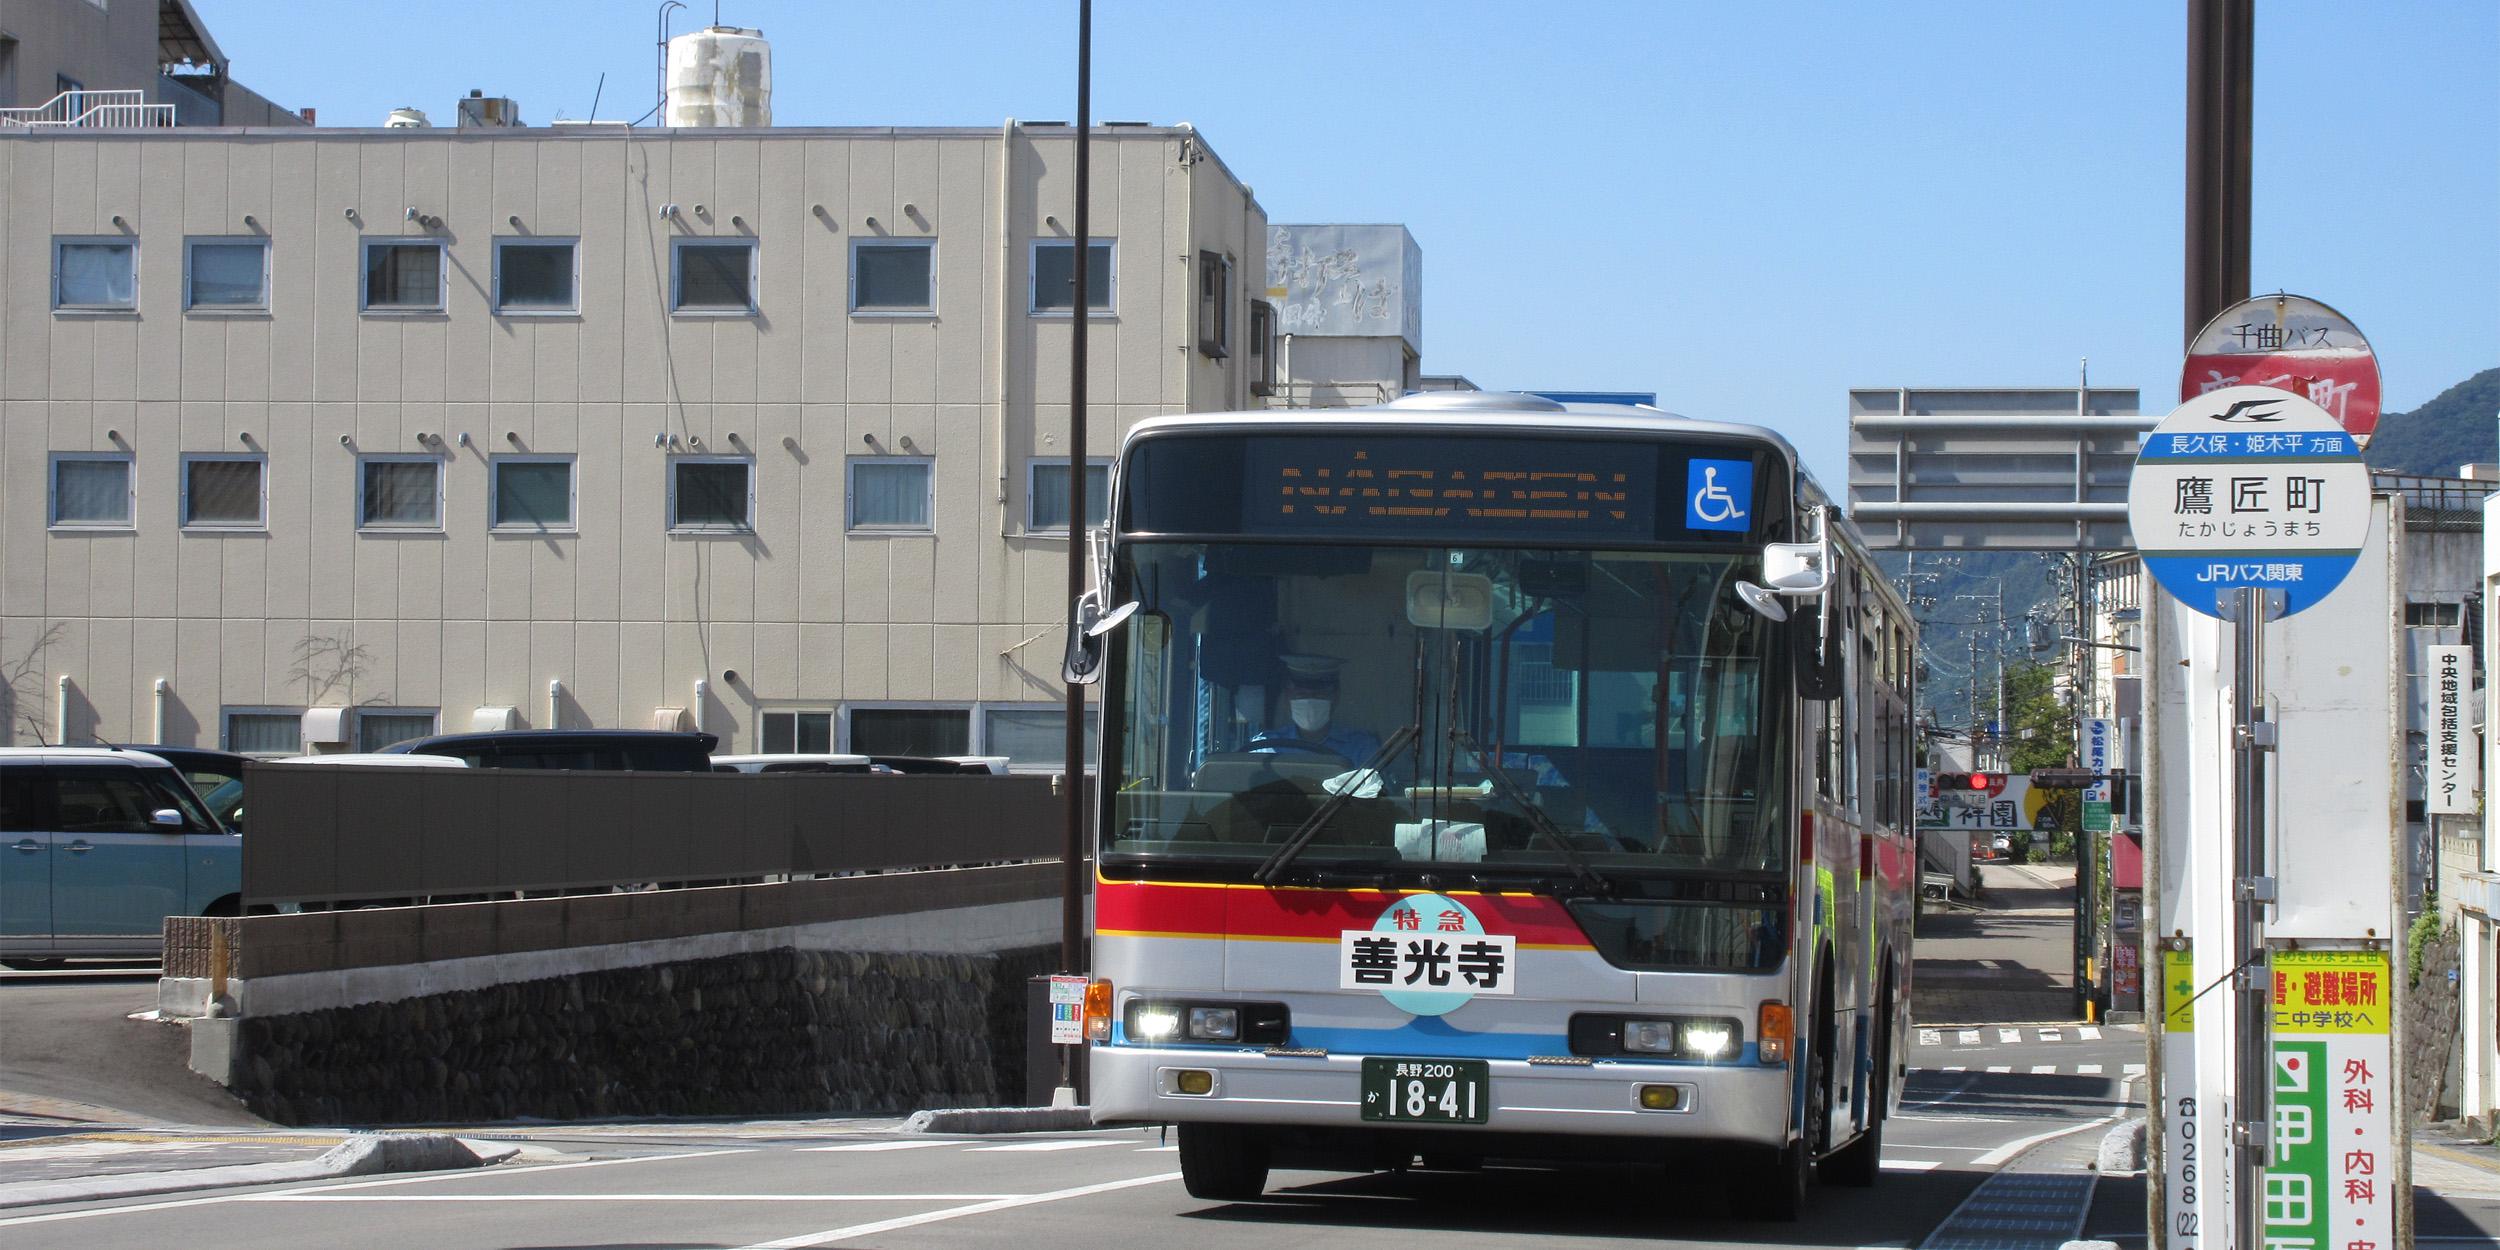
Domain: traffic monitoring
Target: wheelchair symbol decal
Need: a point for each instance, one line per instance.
(1716, 492)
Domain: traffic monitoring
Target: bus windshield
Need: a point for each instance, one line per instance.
(1414, 709)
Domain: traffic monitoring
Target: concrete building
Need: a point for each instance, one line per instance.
(2470, 872)
(120, 63)
(333, 437)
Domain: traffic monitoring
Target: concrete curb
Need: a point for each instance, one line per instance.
(361, 1155)
(2122, 1150)
(1000, 1120)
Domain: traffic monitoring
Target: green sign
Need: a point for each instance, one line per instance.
(2096, 816)
(2297, 1176)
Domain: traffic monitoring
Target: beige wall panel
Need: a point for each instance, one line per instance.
(908, 655)
(509, 565)
(782, 220)
(107, 683)
(511, 359)
(867, 588)
(28, 311)
(74, 187)
(642, 684)
(772, 669)
(819, 661)
(198, 664)
(421, 567)
(10, 232)
(911, 578)
(604, 219)
(468, 351)
(954, 662)
(73, 356)
(204, 174)
(376, 582)
(864, 674)
(514, 169)
(243, 559)
(593, 700)
(642, 494)
(188, 722)
(292, 455)
(66, 559)
(255, 663)
(108, 574)
(683, 660)
(822, 548)
(686, 364)
(466, 648)
(558, 209)
(68, 657)
(249, 168)
(734, 355)
(915, 359)
(825, 262)
(871, 361)
(425, 366)
(203, 355)
(557, 341)
(247, 358)
(295, 280)
(550, 657)
(599, 547)
(728, 564)
(25, 503)
(338, 268)
(780, 504)
(417, 667)
(872, 192)
(331, 559)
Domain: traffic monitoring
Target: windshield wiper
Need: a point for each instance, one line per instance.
(1587, 875)
(1325, 812)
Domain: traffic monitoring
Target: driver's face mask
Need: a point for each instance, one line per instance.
(1309, 715)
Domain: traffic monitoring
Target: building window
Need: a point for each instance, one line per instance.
(2436, 615)
(893, 275)
(91, 490)
(1048, 494)
(890, 493)
(536, 276)
(95, 275)
(533, 493)
(1034, 737)
(403, 276)
(1262, 347)
(226, 275)
(802, 733)
(1054, 276)
(377, 728)
(226, 492)
(714, 276)
(399, 493)
(910, 731)
(264, 731)
(711, 493)
(1215, 304)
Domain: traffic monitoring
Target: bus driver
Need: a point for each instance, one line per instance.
(1310, 709)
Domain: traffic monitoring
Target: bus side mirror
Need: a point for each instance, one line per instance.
(1088, 625)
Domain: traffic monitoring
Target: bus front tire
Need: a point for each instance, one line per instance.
(1860, 1162)
(1222, 1162)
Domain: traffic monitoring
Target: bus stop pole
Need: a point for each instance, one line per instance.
(2253, 1059)
(1072, 841)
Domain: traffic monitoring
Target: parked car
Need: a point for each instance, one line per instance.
(992, 765)
(97, 847)
(216, 776)
(794, 763)
(579, 750)
(375, 759)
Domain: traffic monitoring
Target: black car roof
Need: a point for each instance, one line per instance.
(187, 757)
(556, 737)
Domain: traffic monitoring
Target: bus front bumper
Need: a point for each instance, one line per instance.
(1744, 1103)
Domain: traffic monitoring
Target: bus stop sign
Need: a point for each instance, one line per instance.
(2249, 486)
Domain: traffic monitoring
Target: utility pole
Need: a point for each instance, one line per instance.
(1072, 872)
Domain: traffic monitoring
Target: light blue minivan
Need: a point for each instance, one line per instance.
(98, 847)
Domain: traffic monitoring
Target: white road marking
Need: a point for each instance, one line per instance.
(1955, 1068)
(1968, 1037)
(883, 1145)
(1948, 1096)
(2087, 1069)
(1047, 1145)
(2133, 1069)
(2021, 1144)
(2088, 1033)
(1158, 1150)
(453, 1175)
(2050, 1035)
(832, 1235)
(2009, 1035)
(1910, 1165)
(1931, 1037)
(1955, 1119)
(629, 1197)
(2000, 1069)
(2044, 1069)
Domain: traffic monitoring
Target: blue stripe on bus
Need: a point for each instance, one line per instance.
(1428, 1037)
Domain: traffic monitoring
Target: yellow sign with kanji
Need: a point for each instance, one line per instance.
(2332, 992)
(2178, 990)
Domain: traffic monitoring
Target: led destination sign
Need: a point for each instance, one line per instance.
(1434, 489)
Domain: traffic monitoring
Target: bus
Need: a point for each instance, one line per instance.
(1484, 777)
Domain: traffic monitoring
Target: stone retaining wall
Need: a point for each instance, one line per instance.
(781, 1031)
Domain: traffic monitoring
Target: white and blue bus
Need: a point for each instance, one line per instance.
(1485, 777)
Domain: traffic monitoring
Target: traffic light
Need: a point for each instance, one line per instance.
(2064, 779)
(1965, 783)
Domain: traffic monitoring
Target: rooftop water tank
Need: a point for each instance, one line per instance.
(720, 76)
(407, 119)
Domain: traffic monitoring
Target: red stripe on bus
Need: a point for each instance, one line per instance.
(1250, 911)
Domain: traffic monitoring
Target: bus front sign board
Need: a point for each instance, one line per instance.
(2249, 487)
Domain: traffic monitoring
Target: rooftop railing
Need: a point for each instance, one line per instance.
(90, 110)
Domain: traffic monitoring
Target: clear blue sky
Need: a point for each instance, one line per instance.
(1748, 208)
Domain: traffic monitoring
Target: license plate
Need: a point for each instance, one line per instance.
(1426, 1091)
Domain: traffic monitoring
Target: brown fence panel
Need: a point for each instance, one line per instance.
(342, 833)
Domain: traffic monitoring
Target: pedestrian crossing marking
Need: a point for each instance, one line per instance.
(1156, 1150)
(2044, 1069)
(2048, 1035)
(2001, 1069)
(1930, 1037)
(2088, 1033)
(1910, 1165)
(2133, 1069)
(1968, 1037)
(2009, 1035)
(2087, 1069)
(1956, 1068)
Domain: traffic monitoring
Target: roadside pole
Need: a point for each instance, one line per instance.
(2252, 1068)
(1072, 843)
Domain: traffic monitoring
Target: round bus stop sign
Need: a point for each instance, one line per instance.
(2249, 486)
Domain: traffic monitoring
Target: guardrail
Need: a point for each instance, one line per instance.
(91, 110)
(342, 834)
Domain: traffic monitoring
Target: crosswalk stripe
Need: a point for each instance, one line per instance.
(1968, 1037)
(2044, 1069)
(1046, 1145)
(2133, 1069)
(1910, 1165)
(1955, 1068)
(2009, 1035)
(881, 1145)
(2000, 1069)
(2088, 1033)
(1156, 1150)
(2048, 1035)
(2087, 1069)
(1930, 1037)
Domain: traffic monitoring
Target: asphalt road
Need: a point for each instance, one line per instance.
(66, 1037)
(626, 1187)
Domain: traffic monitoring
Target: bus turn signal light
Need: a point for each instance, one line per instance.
(1098, 1011)
(1774, 1026)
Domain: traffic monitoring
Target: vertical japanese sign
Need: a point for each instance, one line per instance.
(2185, 1164)
(2100, 751)
(2330, 1180)
(2451, 781)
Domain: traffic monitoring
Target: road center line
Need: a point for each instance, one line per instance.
(323, 1187)
(323, 1197)
(832, 1235)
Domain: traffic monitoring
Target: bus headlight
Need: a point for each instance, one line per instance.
(1706, 1038)
(1156, 1023)
(1214, 1024)
(1649, 1037)
(1162, 1020)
